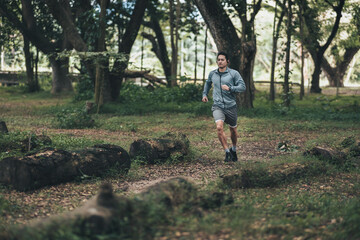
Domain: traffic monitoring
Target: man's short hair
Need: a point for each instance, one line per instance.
(224, 54)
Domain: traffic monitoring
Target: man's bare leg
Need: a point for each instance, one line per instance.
(233, 135)
(221, 134)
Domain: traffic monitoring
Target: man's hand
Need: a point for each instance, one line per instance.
(205, 99)
(225, 87)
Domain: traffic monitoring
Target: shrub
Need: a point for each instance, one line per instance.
(74, 118)
(84, 88)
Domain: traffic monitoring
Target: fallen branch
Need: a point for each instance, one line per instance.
(144, 74)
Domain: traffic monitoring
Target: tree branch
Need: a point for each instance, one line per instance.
(145, 74)
(61, 11)
(133, 26)
(335, 28)
(327, 1)
(32, 33)
(256, 10)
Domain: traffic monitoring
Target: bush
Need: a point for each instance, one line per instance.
(186, 93)
(84, 88)
(74, 118)
(20, 143)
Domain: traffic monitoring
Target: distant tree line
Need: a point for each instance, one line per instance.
(103, 32)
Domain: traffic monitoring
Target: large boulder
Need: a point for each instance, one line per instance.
(170, 146)
(51, 166)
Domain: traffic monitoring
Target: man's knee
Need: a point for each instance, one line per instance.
(220, 126)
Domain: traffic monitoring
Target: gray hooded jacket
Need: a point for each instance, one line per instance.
(230, 77)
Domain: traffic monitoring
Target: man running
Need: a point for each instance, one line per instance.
(227, 82)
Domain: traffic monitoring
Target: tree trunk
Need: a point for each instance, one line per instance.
(315, 78)
(302, 87)
(195, 63)
(174, 37)
(132, 29)
(51, 167)
(33, 86)
(37, 67)
(159, 44)
(312, 43)
(336, 74)
(227, 40)
(287, 60)
(276, 33)
(2, 65)
(60, 80)
(335, 77)
(245, 100)
(205, 51)
(102, 66)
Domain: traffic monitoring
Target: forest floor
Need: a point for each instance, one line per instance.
(258, 142)
(56, 199)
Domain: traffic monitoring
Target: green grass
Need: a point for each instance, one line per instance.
(321, 203)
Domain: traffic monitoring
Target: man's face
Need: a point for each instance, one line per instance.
(221, 61)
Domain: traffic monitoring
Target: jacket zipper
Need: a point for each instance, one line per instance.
(222, 92)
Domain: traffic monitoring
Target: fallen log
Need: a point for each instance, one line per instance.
(172, 146)
(327, 154)
(3, 128)
(51, 166)
(144, 74)
(123, 218)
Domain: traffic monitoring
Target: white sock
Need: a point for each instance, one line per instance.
(233, 148)
(227, 150)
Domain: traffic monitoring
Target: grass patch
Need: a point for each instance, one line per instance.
(68, 142)
(321, 202)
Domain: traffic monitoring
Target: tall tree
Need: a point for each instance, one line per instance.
(241, 49)
(31, 82)
(158, 41)
(314, 36)
(276, 34)
(174, 38)
(344, 49)
(47, 38)
(161, 14)
(287, 54)
(100, 84)
(301, 31)
(128, 30)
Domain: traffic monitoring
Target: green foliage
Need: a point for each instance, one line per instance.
(285, 146)
(97, 57)
(186, 93)
(139, 100)
(187, 99)
(20, 143)
(74, 118)
(84, 88)
(63, 141)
